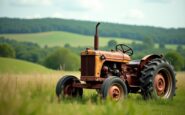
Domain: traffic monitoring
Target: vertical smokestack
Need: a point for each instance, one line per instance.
(96, 37)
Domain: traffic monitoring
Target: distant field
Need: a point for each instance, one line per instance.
(169, 46)
(34, 94)
(57, 38)
(8, 65)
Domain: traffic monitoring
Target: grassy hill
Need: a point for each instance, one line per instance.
(59, 38)
(158, 34)
(8, 65)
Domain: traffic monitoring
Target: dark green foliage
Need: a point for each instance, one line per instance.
(34, 53)
(25, 50)
(67, 45)
(181, 51)
(62, 59)
(6, 51)
(161, 45)
(111, 44)
(148, 43)
(175, 59)
(137, 47)
(159, 35)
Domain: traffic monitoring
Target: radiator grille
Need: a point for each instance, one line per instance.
(87, 65)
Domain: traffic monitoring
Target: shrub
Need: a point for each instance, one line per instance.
(175, 59)
(7, 51)
(62, 59)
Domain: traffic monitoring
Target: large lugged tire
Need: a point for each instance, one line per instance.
(158, 80)
(114, 88)
(64, 87)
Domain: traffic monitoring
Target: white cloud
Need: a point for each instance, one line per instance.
(157, 1)
(34, 16)
(32, 2)
(91, 5)
(135, 14)
(79, 5)
(166, 13)
(57, 15)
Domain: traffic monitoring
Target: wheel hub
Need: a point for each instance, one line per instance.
(68, 90)
(160, 84)
(115, 93)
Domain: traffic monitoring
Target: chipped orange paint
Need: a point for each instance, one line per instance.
(112, 56)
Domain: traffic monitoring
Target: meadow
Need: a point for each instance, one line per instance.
(34, 94)
(15, 66)
(60, 38)
(29, 89)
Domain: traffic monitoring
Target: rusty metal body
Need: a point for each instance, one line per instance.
(114, 74)
(97, 65)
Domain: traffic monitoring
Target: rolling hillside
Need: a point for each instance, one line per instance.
(135, 32)
(8, 65)
(59, 38)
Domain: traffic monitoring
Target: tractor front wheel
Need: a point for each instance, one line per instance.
(114, 88)
(64, 87)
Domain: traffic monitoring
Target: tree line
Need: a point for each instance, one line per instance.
(54, 57)
(68, 57)
(159, 35)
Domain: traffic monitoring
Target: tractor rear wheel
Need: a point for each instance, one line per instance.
(158, 80)
(114, 88)
(64, 87)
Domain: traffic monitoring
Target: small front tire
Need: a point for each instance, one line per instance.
(114, 88)
(64, 87)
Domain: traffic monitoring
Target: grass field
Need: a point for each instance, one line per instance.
(34, 94)
(57, 38)
(8, 65)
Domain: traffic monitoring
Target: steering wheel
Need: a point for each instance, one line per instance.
(125, 49)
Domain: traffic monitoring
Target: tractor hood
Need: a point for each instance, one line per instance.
(108, 55)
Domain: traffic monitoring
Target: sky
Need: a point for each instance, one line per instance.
(159, 13)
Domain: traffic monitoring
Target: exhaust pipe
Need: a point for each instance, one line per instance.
(96, 44)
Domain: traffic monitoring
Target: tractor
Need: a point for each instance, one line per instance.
(113, 74)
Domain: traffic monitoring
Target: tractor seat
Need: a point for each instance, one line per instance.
(134, 63)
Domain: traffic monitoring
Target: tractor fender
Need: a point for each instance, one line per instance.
(148, 58)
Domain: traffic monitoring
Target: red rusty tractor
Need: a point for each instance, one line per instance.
(113, 74)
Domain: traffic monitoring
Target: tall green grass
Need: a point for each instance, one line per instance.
(34, 94)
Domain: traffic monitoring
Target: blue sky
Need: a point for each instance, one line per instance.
(160, 13)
